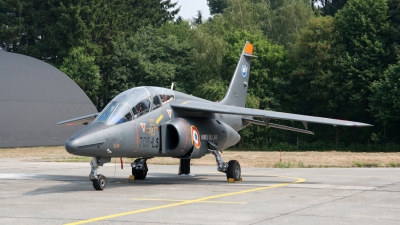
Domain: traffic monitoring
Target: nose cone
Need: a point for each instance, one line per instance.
(71, 146)
(86, 140)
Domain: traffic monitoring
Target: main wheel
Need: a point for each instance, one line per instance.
(233, 170)
(140, 174)
(100, 183)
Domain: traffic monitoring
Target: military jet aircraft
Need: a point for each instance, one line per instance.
(147, 122)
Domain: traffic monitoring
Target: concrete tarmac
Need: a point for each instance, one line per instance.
(61, 193)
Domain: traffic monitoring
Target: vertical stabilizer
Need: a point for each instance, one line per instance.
(237, 91)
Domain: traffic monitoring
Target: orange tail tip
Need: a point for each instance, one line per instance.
(249, 48)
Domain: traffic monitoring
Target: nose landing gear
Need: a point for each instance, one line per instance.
(99, 180)
(139, 171)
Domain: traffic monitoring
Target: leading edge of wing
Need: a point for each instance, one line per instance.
(80, 120)
(195, 106)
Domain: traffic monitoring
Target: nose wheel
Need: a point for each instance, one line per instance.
(100, 183)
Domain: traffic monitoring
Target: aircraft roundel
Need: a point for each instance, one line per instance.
(244, 70)
(195, 136)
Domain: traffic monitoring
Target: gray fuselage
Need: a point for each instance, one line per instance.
(160, 131)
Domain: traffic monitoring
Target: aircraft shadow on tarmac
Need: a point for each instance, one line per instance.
(70, 183)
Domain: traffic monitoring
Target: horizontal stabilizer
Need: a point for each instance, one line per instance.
(79, 120)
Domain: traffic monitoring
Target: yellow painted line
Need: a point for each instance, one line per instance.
(159, 119)
(299, 180)
(181, 200)
(354, 176)
(325, 175)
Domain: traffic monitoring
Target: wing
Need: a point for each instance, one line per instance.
(79, 120)
(195, 106)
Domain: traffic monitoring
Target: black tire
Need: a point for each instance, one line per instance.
(233, 170)
(100, 183)
(140, 174)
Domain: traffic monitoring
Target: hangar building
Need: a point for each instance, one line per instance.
(34, 96)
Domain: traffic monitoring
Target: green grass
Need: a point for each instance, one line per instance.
(392, 164)
(358, 164)
(300, 164)
(290, 165)
(283, 165)
(68, 159)
(74, 159)
(83, 159)
(321, 146)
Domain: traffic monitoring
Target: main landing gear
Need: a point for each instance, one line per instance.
(99, 180)
(232, 168)
(139, 168)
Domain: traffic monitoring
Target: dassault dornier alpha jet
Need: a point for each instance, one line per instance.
(147, 122)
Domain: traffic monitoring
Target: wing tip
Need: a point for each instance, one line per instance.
(361, 125)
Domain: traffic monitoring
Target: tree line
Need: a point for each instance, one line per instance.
(329, 58)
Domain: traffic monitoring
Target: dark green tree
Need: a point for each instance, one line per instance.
(25, 27)
(199, 18)
(287, 19)
(81, 68)
(385, 102)
(280, 20)
(316, 80)
(178, 20)
(217, 6)
(153, 57)
(317, 56)
(363, 27)
(328, 7)
(48, 30)
(394, 20)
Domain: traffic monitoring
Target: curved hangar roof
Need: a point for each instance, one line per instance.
(34, 96)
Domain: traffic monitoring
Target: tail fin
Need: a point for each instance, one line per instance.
(237, 91)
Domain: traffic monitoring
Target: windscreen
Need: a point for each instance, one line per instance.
(115, 113)
(128, 105)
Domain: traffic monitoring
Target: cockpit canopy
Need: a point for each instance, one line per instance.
(134, 103)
